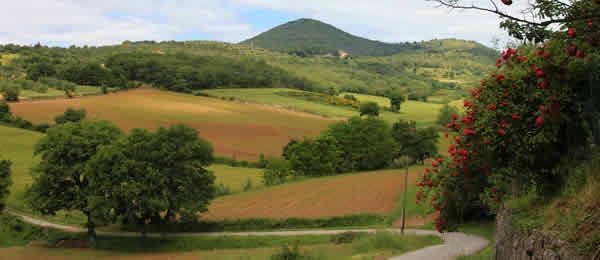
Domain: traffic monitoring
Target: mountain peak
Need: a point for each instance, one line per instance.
(312, 36)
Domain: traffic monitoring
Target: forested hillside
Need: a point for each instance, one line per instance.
(438, 69)
(308, 36)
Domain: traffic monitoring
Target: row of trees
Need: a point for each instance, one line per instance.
(186, 72)
(359, 144)
(142, 178)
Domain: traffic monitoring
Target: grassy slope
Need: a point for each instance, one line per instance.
(424, 113)
(17, 145)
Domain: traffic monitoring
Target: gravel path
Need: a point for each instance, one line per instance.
(455, 244)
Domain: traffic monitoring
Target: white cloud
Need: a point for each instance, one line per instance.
(94, 22)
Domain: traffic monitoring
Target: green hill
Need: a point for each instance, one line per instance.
(315, 37)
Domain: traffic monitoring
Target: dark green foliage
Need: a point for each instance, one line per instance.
(248, 185)
(91, 74)
(310, 37)
(344, 238)
(5, 181)
(222, 190)
(350, 97)
(359, 144)
(445, 115)
(61, 181)
(317, 157)
(276, 172)
(11, 93)
(237, 163)
(184, 73)
(71, 115)
(4, 109)
(369, 109)
(290, 253)
(153, 177)
(40, 70)
(396, 101)
(362, 144)
(417, 143)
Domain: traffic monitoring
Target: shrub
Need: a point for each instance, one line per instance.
(71, 115)
(290, 253)
(369, 109)
(222, 190)
(345, 238)
(276, 172)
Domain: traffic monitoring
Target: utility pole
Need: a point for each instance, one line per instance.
(405, 159)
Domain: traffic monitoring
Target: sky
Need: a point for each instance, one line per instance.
(104, 22)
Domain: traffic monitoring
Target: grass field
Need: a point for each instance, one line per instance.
(372, 246)
(425, 114)
(17, 145)
(235, 129)
(352, 194)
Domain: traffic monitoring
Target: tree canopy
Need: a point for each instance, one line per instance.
(153, 177)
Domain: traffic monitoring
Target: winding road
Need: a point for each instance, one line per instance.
(455, 243)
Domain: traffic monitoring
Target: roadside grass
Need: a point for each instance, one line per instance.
(485, 229)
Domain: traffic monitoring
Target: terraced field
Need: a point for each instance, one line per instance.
(352, 194)
(235, 129)
(424, 113)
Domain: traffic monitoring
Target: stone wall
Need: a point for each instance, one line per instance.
(514, 245)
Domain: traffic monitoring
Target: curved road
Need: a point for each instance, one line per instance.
(455, 244)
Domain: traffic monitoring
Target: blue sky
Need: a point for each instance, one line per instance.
(93, 22)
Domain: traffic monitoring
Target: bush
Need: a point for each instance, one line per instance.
(71, 115)
(222, 190)
(11, 94)
(446, 115)
(369, 109)
(290, 253)
(345, 238)
(276, 172)
(248, 185)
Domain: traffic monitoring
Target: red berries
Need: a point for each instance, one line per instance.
(572, 50)
(521, 59)
(539, 72)
(454, 117)
(572, 33)
(507, 2)
(516, 116)
(501, 132)
(580, 54)
(467, 103)
(590, 24)
(483, 82)
(468, 132)
(498, 63)
(491, 107)
(500, 77)
(539, 121)
(544, 84)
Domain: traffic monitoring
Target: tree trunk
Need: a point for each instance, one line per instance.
(515, 187)
(91, 229)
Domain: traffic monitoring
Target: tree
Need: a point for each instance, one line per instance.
(4, 109)
(11, 93)
(5, 182)
(362, 144)
(418, 144)
(276, 172)
(71, 115)
(153, 178)
(369, 109)
(314, 157)
(447, 115)
(396, 101)
(60, 179)
(40, 70)
(530, 121)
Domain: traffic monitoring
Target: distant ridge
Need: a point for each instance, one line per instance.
(309, 36)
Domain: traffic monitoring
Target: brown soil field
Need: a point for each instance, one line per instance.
(235, 129)
(352, 194)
